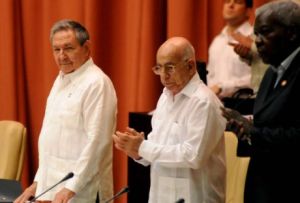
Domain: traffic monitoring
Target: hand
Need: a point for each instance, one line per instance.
(233, 114)
(242, 51)
(246, 41)
(63, 196)
(27, 194)
(129, 142)
(243, 45)
(216, 89)
(237, 123)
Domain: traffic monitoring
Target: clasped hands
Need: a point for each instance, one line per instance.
(129, 142)
(238, 124)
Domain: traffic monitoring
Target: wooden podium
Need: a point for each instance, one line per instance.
(139, 175)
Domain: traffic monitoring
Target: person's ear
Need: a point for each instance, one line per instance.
(293, 34)
(248, 13)
(87, 45)
(294, 37)
(190, 64)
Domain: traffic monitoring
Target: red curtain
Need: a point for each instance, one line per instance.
(124, 35)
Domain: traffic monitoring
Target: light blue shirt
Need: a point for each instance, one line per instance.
(284, 65)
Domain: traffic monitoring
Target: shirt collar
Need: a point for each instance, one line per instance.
(72, 76)
(188, 89)
(244, 26)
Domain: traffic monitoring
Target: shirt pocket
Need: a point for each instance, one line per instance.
(176, 133)
(71, 113)
(72, 130)
(167, 132)
(171, 189)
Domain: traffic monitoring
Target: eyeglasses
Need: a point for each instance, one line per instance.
(167, 68)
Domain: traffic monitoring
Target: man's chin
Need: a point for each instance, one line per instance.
(266, 59)
(66, 69)
(169, 86)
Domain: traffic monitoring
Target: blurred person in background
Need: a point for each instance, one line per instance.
(227, 73)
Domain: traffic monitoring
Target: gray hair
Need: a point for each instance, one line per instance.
(81, 33)
(284, 12)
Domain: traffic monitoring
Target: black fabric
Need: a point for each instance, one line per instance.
(201, 69)
(97, 198)
(242, 101)
(9, 190)
(273, 172)
(139, 175)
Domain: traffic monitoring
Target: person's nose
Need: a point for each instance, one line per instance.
(231, 3)
(164, 75)
(258, 39)
(62, 54)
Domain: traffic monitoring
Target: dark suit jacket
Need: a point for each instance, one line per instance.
(275, 151)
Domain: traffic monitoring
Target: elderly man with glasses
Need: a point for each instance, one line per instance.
(186, 145)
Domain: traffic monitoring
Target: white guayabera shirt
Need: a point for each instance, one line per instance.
(76, 134)
(186, 147)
